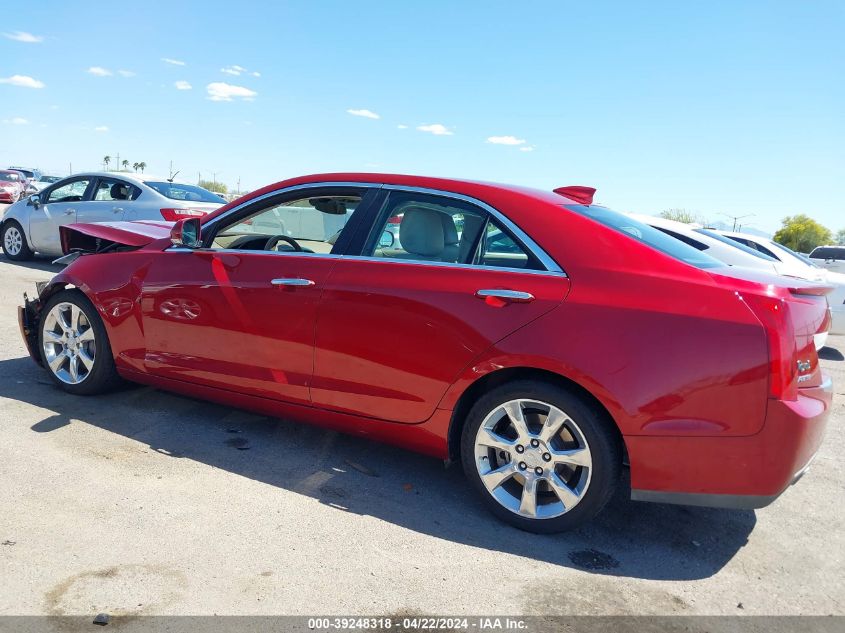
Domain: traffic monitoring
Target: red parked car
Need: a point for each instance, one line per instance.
(12, 186)
(541, 340)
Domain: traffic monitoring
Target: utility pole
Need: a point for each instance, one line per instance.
(736, 218)
(118, 162)
(239, 185)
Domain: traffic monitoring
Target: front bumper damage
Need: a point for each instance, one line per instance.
(28, 317)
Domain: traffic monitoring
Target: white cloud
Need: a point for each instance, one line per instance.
(99, 71)
(230, 71)
(182, 85)
(23, 81)
(101, 128)
(125, 73)
(527, 148)
(23, 36)
(367, 114)
(435, 128)
(221, 91)
(506, 140)
(402, 127)
(255, 74)
(175, 62)
(16, 121)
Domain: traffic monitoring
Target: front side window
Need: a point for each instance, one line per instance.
(9, 176)
(70, 192)
(309, 225)
(109, 189)
(186, 193)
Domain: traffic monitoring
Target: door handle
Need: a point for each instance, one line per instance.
(69, 211)
(292, 282)
(118, 209)
(514, 296)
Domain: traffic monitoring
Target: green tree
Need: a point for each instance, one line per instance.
(142, 166)
(125, 164)
(106, 161)
(135, 166)
(216, 187)
(840, 237)
(802, 233)
(682, 215)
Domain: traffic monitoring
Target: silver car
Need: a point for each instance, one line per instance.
(31, 225)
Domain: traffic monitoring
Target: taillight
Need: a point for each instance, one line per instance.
(171, 215)
(773, 313)
(394, 219)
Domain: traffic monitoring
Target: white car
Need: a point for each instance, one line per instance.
(791, 264)
(715, 245)
(31, 225)
(832, 258)
(43, 182)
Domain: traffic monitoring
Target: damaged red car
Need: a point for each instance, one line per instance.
(541, 340)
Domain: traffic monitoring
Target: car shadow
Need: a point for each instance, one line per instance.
(630, 539)
(830, 353)
(38, 263)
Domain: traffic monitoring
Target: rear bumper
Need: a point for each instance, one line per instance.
(736, 472)
(27, 325)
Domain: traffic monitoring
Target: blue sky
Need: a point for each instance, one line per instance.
(720, 107)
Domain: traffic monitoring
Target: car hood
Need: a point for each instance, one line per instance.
(77, 237)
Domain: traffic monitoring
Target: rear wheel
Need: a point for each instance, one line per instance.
(543, 459)
(74, 345)
(14, 242)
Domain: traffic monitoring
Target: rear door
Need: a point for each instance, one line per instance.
(399, 322)
(108, 202)
(59, 207)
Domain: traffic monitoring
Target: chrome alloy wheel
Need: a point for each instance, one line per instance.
(533, 459)
(12, 241)
(68, 343)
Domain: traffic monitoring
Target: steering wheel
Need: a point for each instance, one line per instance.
(271, 243)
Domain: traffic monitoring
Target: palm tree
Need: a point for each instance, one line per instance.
(135, 166)
(106, 161)
(141, 166)
(126, 164)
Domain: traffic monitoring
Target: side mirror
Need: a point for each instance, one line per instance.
(34, 201)
(186, 233)
(387, 240)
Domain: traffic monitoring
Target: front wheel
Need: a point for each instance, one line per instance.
(14, 242)
(544, 459)
(74, 345)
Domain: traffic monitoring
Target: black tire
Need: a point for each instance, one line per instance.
(103, 376)
(597, 429)
(25, 253)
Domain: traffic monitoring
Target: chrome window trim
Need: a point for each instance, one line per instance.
(550, 264)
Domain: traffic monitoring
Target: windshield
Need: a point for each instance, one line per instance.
(647, 235)
(25, 172)
(188, 193)
(9, 176)
(49, 179)
(734, 244)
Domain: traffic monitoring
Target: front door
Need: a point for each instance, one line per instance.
(108, 201)
(240, 313)
(59, 207)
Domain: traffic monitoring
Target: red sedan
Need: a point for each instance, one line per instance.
(12, 186)
(538, 338)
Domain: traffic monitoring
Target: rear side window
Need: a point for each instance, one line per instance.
(184, 192)
(828, 252)
(754, 246)
(699, 246)
(647, 235)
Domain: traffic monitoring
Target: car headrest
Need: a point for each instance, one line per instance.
(421, 232)
(119, 191)
(450, 232)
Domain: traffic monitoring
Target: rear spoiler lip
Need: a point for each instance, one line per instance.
(818, 290)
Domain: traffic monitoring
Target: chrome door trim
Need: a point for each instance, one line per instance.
(422, 262)
(550, 264)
